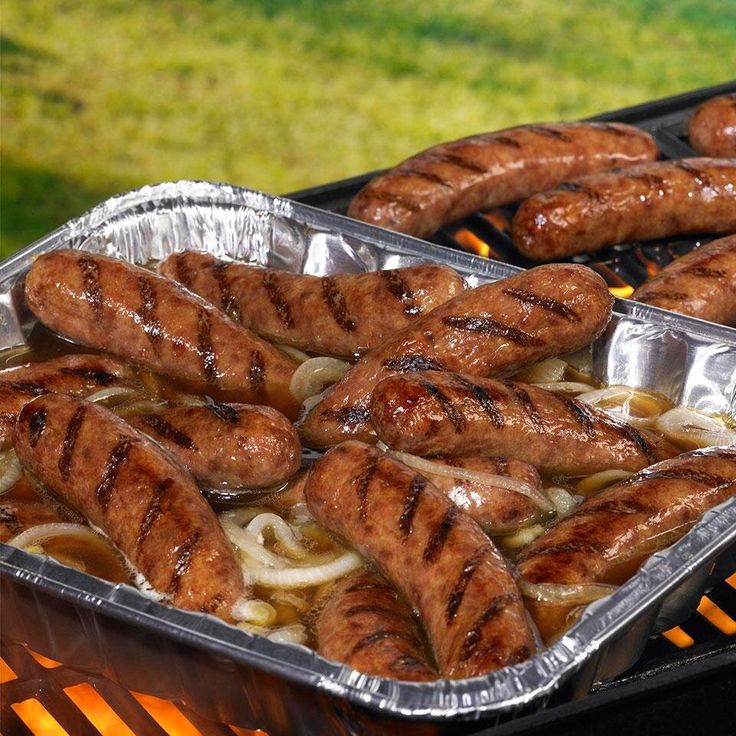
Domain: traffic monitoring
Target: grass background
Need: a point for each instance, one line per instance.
(100, 97)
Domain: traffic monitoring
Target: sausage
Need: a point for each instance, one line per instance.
(127, 310)
(712, 127)
(148, 505)
(432, 412)
(227, 446)
(701, 283)
(365, 625)
(644, 202)
(493, 329)
(74, 375)
(343, 315)
(497, 509)
(612, 533)
(439, 559)
(451, 180)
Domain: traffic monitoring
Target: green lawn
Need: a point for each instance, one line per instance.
(101, 97)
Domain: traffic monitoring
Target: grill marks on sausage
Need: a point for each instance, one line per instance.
(228, 302)
(184, 557)
(334, 300)
(695, 476)
(256, 372)
(106, 486)
(168, 431)
(395, 199)
(205, 349)
(382, 635)
(397, 287)
(456, 418)
(100, 377)
(546, 303)
(183, 272)
(497, 606)
(413, 363)
(707, 273)
(456, 160)
(361, 488)
(635, 436)
(348, 416)
(579, 188)
(29, 388)
(699, 175)
(36, 426)
(277, 298)
(427, 176)
(153, 512)
(411, 502)
(528, 405)
(581, 414)
(458, 592)
(91, 279)
(70, 440)
(147, 311)
(486, 401)
(493, 328)
(549, 133)
(225, 412)
(439, 536)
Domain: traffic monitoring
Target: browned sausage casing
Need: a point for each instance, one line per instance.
(342, 315)
(656, 200)
(74, 375)
(432, 412)
(701, 283)
(493, 329)
(365, 625)
(148, 505)
(451, 180)
(127, 310)
(227, 445)
(611, 534)
(438, 557)
(712, 127)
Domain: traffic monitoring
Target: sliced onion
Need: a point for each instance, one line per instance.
(565, 595)
(524, 536)
(565, 387)
(107, 393)
(311, 377)
(298, 355)
(243, 514)
(254, 611)
(287, 598)
(303, 577)
(581, 360)
(145, 406)
(292, 634)
(248, 543)
(692, 429)
(551, 370)
(37, 534)
(10, 470)
(11, 354)
(282, 531)
(564, 502)
(648, 404)
(499, 481)
(598, 481)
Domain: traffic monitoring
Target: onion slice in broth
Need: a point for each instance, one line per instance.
(557, 594)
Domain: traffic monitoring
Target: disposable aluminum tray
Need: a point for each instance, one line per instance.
(228, 675)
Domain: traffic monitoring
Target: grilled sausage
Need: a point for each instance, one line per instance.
(611, 534)
(712, 127)
(115, 306)
(74, 375)
(227, 445)
(439, 559)
(701, 283)
(365, 625)
(432, 412)
(656, 200)
(149, 506)
(497, 509)
(343, 315)
(493, 329)
(452, 180)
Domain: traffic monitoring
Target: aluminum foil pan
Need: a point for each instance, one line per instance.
(690, 361)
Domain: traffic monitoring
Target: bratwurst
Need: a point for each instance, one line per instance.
(342, 315)
(440, 560)
(645, 202)
(452, 180)
(438, 412)
(124, 309)
(494, 329)
(148, 505)
(712, 127)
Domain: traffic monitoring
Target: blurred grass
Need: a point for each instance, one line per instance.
(98, 98)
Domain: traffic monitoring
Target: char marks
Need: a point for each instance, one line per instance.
(486, 401)
(549, 132)
(36, 426)
(205, 349)
(361, 488)
(394, 199)
(256, 372)
(697, 173)
(147, 310)
(413, 363)
(528, 405)
(91, 278)
(497, 606)
(29, 388)
(582, 415)
(696, 476)
(439, 536)
(456, 418)
(100, 377)
(153, 512)
(460, 161)
(70, 440)
(458, 592)
(228, 302)
(397, 287)
(382, 635)
(411, 502)
(109, 479)
(491, 327)
(277, 298)
(579, 188)
(334, 300)
(183, 272)
(427, 176)
(546, 303)
(225, 412)
(635, 436)
(349, 416)
(168, 431)
(184, 557)
(707, 273)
